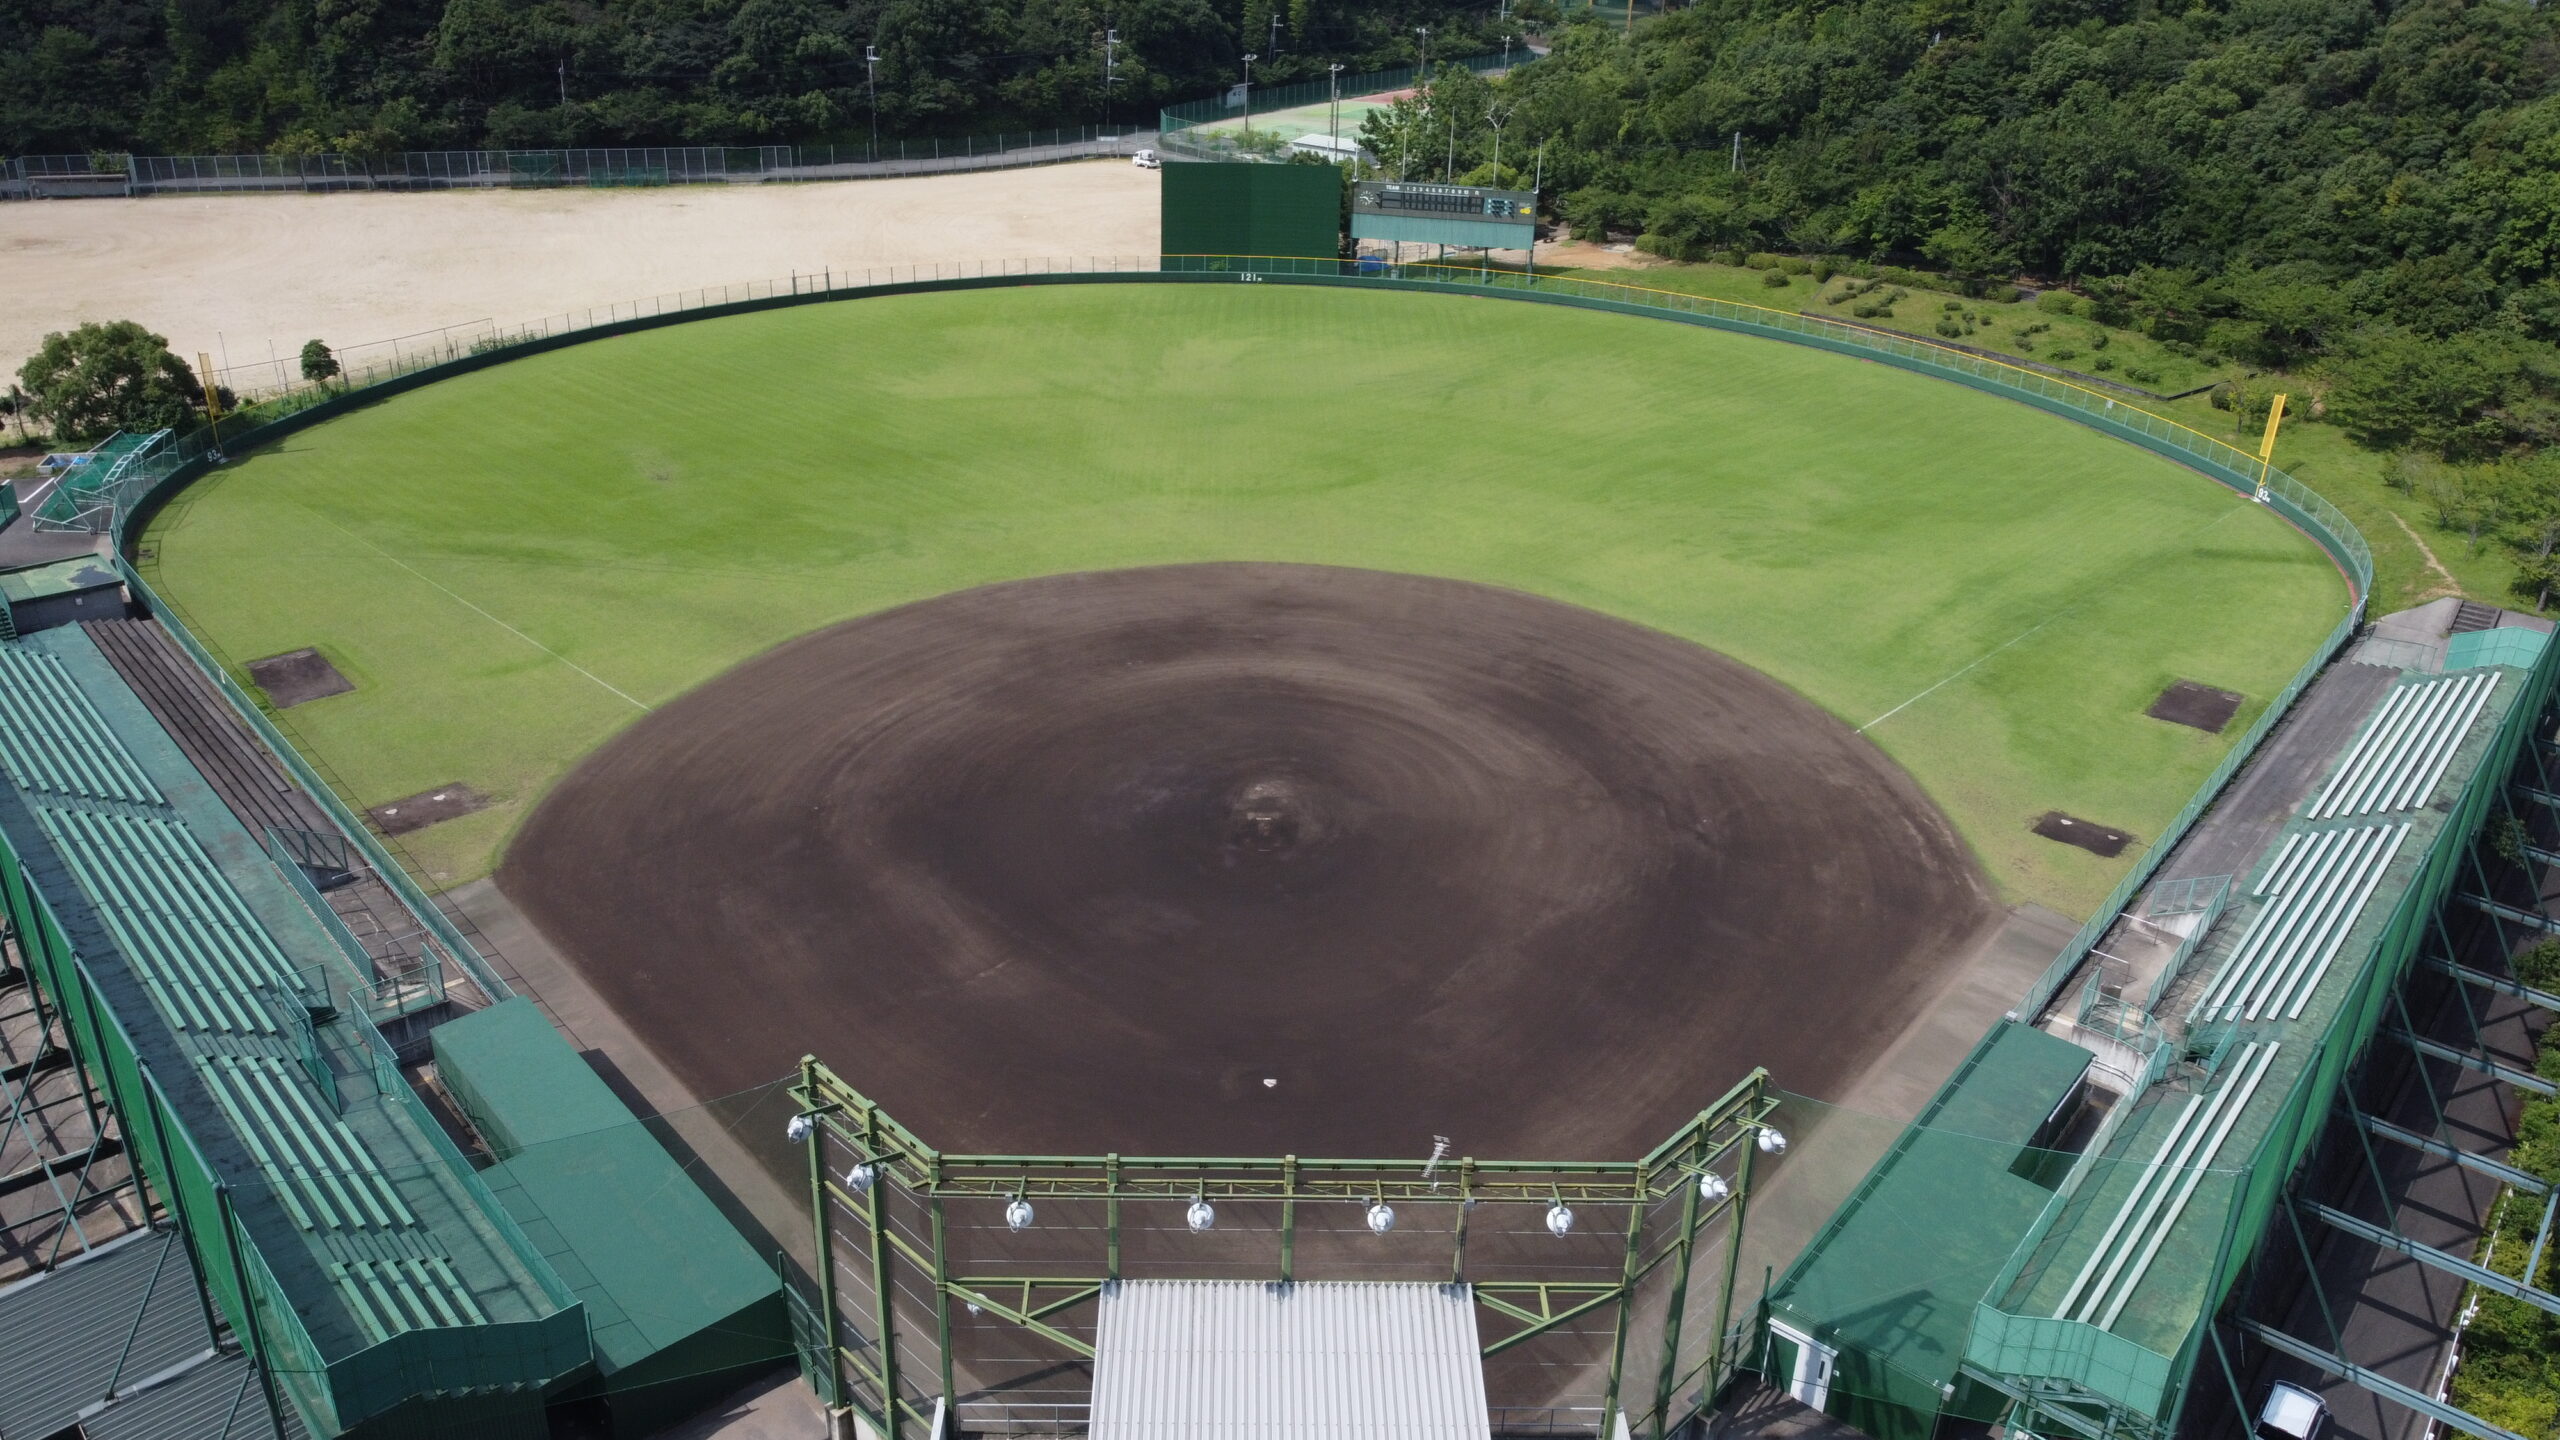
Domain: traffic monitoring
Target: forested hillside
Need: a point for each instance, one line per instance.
(199, 76)
(2375, 186)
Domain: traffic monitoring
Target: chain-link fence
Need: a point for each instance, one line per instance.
(1196, 129)
(69, 176)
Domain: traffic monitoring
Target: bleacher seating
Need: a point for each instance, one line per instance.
(2396, 764)
(2319, 884)
(219, 976)
(177, 918)
(53, 741)
(409, 1293)
(2161, 1192)
(321, 1171)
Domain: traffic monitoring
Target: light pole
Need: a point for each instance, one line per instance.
(1274, 45)
(1248, 97)
(1506, 52)
(1497, 117)
(1425, 32)
(871, 81)
(1334, 74)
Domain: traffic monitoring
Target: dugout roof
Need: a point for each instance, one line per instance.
(1255, 1360)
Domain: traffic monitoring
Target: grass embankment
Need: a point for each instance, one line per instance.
(2417, 556)
(512, 563)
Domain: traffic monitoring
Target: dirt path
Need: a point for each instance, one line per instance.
(1237, 859)
(2450, 586)
(250, 278)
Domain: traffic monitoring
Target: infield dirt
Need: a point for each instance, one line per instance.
(1247, 858)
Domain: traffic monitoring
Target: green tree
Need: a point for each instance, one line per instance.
(319, 364)
(103, 377)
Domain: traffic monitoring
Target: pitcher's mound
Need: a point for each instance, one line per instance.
(1245, 859)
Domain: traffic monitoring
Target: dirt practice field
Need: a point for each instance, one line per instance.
(249, 278)
(1235, 859)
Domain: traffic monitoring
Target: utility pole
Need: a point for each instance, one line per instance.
(1497, 117)
(1506, 52)
(1110, 71)
(1274, 46)
(1334, 74)
(1534, 186)
(564, 82)
(1425, 32)
(1248, 95)
(871, 81)
(1736, 166)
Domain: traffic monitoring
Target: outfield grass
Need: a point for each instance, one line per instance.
(511, 564)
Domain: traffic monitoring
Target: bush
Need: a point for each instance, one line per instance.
(1950, 329)
(2103, 364)
(1823, 270)
(2064, 353)
(2142, 375)
(1774, 279)
(2098, 339)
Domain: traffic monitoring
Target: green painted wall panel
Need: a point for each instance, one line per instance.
(1252, 210)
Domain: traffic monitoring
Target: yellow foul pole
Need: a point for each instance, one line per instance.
(2267, 446)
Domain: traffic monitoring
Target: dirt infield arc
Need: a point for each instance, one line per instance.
(1253, 858)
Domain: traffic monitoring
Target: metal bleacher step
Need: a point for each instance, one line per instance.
(391, 1296)
(53, 740)
(323, 1174)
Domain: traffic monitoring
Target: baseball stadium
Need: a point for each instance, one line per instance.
(1236, 842)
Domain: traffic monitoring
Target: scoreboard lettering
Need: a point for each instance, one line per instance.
(1399, 198)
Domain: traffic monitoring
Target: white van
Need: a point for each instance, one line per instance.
(1146, 160)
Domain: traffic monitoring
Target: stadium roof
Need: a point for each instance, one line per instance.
(1251, 1360)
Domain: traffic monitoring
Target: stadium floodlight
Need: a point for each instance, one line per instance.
(1382, 1217)
(1771, 1141)
(1559, 1219)
(1017, 1216)
(1712, 1187)
(799, 1128)
(862, 1177)
(1201, 1215)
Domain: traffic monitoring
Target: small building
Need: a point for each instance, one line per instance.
(39, 597)
(1332, 148)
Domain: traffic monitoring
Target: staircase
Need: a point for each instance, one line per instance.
(2470, 615)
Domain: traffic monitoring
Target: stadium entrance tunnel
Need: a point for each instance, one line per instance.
(1254, 858)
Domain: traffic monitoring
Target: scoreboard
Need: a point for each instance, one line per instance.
(1464, 215)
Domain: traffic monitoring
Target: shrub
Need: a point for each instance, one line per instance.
(2058, 302)
(2065, 352)
(1774, 279)
(2098, 339)
(1952, 305)
(2142, 375)
(1950, 329)
(2103, 364)
(2026, 346)
(1823, 270)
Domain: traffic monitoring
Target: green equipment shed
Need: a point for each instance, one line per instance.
(680, 1308)
(1257, 210)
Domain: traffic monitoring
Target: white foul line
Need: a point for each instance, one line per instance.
(476, 610)
(1996, 649)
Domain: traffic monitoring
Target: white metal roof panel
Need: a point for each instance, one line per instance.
(1253, 1360)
